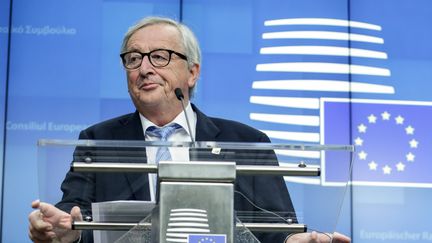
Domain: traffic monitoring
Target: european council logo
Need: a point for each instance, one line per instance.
(392, 139)
(302, 60)
(206, 238)
(307, 71)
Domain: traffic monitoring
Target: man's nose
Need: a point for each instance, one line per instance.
(146, 65)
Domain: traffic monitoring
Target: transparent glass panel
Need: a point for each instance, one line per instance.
(113, 182)
(139, 233)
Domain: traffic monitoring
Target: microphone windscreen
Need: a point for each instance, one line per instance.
(179, 93)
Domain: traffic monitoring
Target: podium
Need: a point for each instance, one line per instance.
(194, 199)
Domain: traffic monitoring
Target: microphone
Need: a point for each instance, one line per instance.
(179, 93)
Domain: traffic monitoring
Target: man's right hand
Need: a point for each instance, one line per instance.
(48, 223)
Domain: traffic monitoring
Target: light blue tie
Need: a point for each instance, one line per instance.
(162, 153)
(163, 134)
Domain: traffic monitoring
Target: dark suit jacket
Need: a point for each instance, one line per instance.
(268, 192)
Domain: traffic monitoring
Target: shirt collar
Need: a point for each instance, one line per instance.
(180, 119)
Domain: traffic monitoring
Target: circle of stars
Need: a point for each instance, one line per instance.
(399, 121)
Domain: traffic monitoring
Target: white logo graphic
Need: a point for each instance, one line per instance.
(185, 221)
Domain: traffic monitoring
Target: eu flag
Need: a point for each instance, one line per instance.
(393, 141)
(206, 238)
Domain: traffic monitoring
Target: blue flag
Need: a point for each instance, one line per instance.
(393, 141)
(206, 238)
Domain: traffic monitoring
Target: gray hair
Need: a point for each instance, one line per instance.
(189, 41)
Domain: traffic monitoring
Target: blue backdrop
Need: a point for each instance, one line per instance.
(304, 71)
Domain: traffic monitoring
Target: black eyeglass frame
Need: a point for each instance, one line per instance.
(143, 54)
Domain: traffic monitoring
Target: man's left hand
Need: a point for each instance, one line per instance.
(315, 237)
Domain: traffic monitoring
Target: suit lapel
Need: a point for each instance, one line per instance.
(206, 130)
(131, 129)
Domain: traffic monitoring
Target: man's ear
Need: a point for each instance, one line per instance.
(195, 72)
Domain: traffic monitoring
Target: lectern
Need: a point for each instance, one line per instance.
(194, 197)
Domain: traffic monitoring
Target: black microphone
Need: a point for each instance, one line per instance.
(179, 93)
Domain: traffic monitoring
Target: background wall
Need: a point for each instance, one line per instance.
(60, 72)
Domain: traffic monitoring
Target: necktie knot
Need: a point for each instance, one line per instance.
(162, 133)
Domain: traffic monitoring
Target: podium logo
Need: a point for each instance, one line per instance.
(206, 238)
(186, 221)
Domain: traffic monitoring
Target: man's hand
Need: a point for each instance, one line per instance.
(48, 223)
(315, 237)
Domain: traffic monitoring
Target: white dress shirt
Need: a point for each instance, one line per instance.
(180, 135)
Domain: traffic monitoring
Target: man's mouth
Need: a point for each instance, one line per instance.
(148, 86)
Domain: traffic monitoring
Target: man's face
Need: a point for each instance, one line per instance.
(154, 86)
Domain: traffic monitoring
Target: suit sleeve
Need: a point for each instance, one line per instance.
(79, 190)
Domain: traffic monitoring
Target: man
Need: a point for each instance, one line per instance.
(159, 55)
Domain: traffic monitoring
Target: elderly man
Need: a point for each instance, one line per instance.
(159, 56)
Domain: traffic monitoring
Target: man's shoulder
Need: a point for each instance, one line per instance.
(231, 124)
(121, 127)
(237, 130)
(112, 122)
(224, 130)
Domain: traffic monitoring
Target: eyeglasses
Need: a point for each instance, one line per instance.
(157, 58)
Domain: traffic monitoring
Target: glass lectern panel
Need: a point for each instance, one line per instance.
(119, 185)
